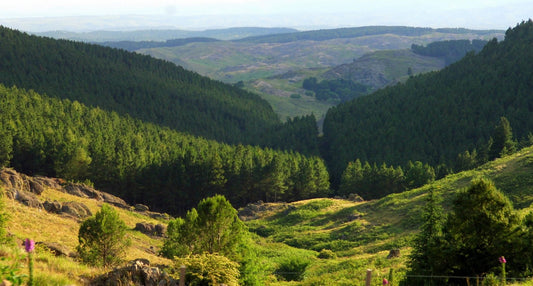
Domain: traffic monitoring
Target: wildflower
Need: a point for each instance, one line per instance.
(502, 260)
(385, 281)
(29, 244)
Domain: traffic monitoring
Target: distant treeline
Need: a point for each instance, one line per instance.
(450, 51)
(138, 45)
(433, 117)
(340, 90)
(142, 162)
(329, 34)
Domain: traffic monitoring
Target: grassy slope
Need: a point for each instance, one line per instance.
(41, 226)
(362, 233)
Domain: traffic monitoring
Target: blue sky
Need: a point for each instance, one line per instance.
(483, 14)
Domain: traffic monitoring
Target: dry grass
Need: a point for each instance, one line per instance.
(25, 222)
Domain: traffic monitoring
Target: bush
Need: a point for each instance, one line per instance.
(209, 269)
(102, 240)
(327, 254)
(293, 268)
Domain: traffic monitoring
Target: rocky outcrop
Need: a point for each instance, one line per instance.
(141, 208)
(150, 229)
(76, 209)
(84, 191)
(138, 272)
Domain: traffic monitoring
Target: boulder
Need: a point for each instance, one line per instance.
(76, 209)
(393, 253)
(35, 186)
(11, 179)
(114, 200)
(141, 208)
(136, 273)
(146, 228)
(56, 248)
(52, 207)
(160, 230)
(28, 199)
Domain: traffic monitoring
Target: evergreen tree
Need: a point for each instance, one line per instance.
(502, 140)
(426, 249)
(102, 238)
(481, 228)
(213, 227)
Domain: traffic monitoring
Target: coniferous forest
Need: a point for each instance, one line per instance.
(86, 112)
(436, 116)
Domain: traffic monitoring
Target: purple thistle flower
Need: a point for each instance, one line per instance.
(385, 281)
(29, 244)
(502, 260)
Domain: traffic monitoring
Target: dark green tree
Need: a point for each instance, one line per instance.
(102, 238)
(426, 249)
(418, 174)
(481, 228)
(502, 140)
(213, 227)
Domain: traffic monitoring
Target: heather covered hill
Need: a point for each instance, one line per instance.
(434, 117)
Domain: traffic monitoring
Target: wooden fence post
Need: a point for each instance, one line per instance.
(183, 269)
(368, 277)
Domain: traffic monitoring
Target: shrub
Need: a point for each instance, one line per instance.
(102, 238)
(209, 269)
(327, 254)
(293, 268)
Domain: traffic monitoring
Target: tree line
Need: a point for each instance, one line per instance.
(451, 51)
(143, 162)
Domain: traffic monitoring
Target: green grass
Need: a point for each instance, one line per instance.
(361, 234)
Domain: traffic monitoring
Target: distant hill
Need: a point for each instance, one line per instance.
(263, 63)
(343, 33)
(161, 35)
(382, 68)
(434, 117)
(129, 83)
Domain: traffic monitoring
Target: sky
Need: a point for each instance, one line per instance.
(476, 14)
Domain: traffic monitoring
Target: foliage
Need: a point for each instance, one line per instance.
(292, 268)
(102, 238)
(130, 83)
(326, 254)
(502, 140)
(209, 269)
(371, 182)
(481, 227)
(338, 90)
(211, 228)
(144, 163)
(451, 51)
(433, 117)
(426, 244)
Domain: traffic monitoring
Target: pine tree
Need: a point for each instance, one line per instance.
(102, 238)
(502, 140)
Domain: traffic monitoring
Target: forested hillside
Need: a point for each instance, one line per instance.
(141, 86)
(142, 162)
(434, 117)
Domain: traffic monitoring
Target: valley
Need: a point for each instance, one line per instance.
(426, 133)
